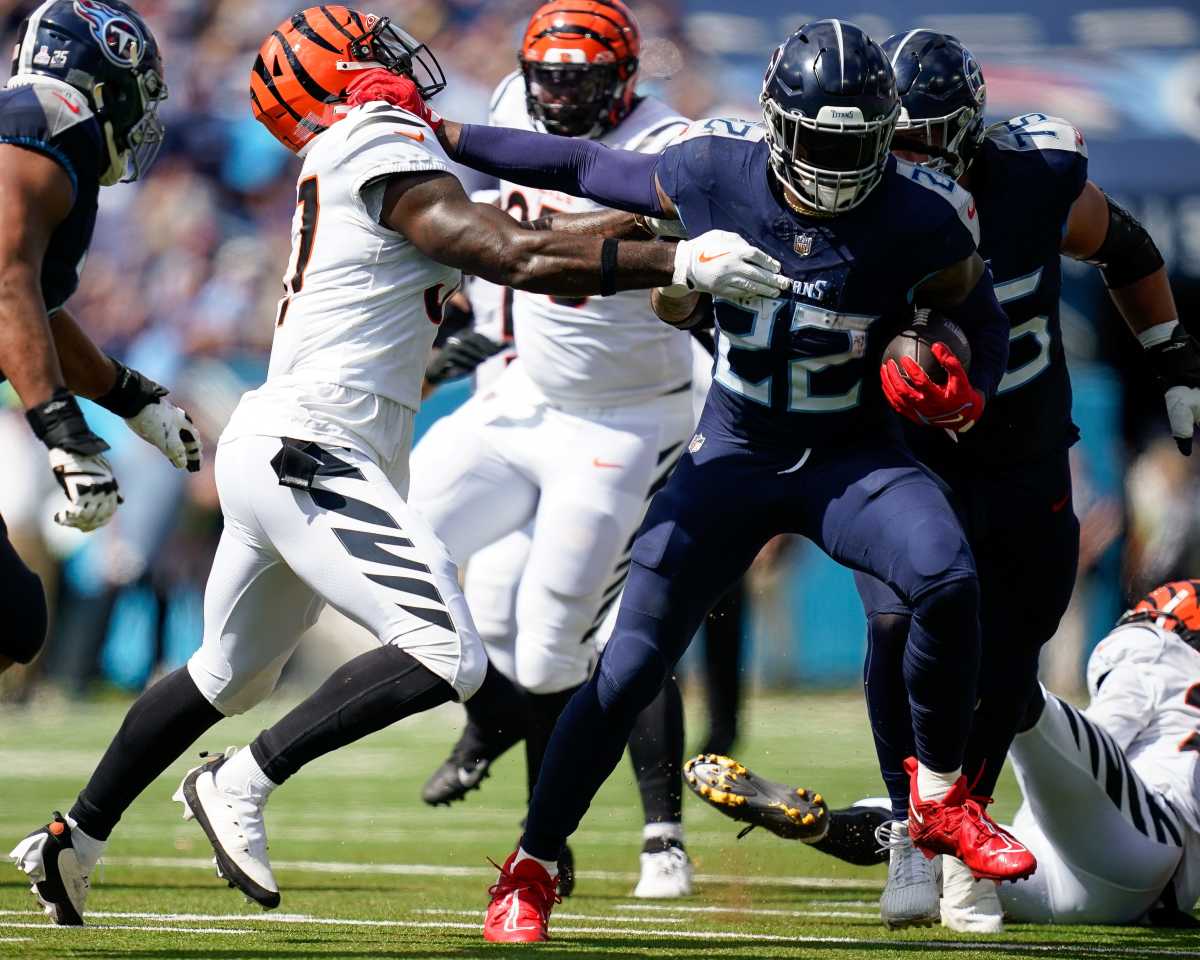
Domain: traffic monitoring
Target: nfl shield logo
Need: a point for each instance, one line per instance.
(697, 443)
(803, 244)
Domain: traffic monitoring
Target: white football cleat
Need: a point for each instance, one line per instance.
(48, 858)
(910, 898)
(234, 826)
(969, 905)
(666, 871)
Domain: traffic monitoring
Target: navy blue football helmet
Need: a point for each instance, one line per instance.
(943, 97)
(106, 51)
(830, 106)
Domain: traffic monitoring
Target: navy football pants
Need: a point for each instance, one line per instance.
(1025, 539)
(22, 606)
(870, 508)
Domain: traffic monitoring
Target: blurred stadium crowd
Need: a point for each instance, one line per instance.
(185, 274)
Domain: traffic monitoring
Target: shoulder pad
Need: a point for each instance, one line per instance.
(659, 136)
(1131, 643)
(1037, 131)
(733, 128)
(945, 189)
(508, 98)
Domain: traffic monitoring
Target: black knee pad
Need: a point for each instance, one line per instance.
(888, 631)
(23, 609)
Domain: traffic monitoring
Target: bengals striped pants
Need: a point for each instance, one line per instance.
(350, 540)
(1107, 844)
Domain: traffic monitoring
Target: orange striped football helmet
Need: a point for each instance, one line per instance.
(580, 61)
(298, 82)
(1174, 606)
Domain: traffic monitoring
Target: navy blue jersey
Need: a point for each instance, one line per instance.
(1028, 174)
(54, 119)
(803, 370)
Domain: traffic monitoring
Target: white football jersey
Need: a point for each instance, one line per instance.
(593, 350)
(356, 326)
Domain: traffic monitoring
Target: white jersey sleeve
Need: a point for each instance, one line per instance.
(597, 351)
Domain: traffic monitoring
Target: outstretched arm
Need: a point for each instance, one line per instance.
(622, 179)
(434, 213)
(1105, 234)
(611, 224)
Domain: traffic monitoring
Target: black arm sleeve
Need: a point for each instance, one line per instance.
(1128, 253)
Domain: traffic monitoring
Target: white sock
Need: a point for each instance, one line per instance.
(932, 785)
(550, 866)
(88, 850)
(242, 776)
(663, 831)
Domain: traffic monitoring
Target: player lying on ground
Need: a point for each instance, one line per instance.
(79, 112)
(1111, 794)
(1011, 475)
(537, 484)
(312, 470)
(793, 418)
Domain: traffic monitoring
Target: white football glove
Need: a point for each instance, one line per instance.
(166, 426)
(725, 265)
(90, 487)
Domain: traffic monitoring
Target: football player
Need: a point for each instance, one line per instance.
(312, 470)
(79, 112)
(1011, 476)
(1111, 794)
(793, 436)
(568, 442)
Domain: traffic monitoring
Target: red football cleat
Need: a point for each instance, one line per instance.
(958, 825)
(521, 903)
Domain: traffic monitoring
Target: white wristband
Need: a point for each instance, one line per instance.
(1159, 333)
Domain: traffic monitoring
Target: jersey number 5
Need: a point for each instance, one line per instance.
(308, 199)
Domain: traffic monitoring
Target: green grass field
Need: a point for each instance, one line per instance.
(368, 871)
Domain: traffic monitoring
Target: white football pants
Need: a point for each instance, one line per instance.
(579, 479)
(1106, 844)
(352, 541)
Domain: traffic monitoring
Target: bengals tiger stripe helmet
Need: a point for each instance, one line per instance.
(1173, 606)
(298, 82)
(580, 61)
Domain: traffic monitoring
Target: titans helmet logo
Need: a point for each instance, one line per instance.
(974, 77)
(120, 38)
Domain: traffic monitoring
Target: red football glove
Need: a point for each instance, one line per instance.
(955, 406)
(380, 84)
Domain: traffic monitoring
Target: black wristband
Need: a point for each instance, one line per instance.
(59, 424)
(608, 268)
(132, 392)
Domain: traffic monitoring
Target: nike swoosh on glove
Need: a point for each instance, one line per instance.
(90, 487)
(955, 406)
(723, 264)
(1176, 366)
(166, 426)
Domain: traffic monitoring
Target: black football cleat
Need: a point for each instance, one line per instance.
(566, 872)
(851, 835)
(47, 858)
(468, 765)
(790, 813)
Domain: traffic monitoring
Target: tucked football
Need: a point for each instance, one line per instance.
(917, 340)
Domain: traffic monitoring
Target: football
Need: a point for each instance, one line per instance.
(916, 341)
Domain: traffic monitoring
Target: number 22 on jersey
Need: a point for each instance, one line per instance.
(308, 202)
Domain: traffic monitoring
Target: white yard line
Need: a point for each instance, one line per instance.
(442, 870)
(758, 911)
(433, 911)
(91, 927)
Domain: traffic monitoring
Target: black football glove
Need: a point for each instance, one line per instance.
(1175, 364)
(460, 356)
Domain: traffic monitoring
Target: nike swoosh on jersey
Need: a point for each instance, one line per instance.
(74, 108)
(597, 462)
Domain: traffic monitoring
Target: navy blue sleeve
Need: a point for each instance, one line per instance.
(685, 174)
(1068, 177)
(622, 179)
(986, 325)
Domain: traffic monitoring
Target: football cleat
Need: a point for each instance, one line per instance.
(969, 905)
(852, 833)
(465, 769)
(958, 824)
(522, 898)
(234, 826)
(790, 813)
(666, 871)
(910, 897)
(47, 857)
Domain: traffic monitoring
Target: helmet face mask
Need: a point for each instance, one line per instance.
(385, 46)
(568, 99)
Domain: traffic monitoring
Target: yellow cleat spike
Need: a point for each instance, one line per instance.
(801, 792)
(817, 798)
(808, 820)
